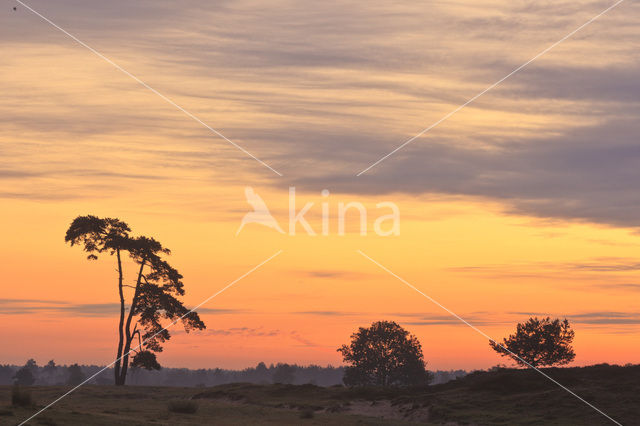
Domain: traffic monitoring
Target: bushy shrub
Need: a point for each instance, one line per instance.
(183, 406)
(21, 397)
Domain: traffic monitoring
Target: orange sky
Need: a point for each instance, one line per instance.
(319, 98)
(493, 271)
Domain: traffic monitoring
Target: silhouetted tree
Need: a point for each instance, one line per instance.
(384, 354)
(7, 374)
(261, 368)
(75, 375)
(50, 367)
(284, 373)
(32, 366)
(49, 372)
(26, 376)
(146, 360)
(154, 293)
(539, 342)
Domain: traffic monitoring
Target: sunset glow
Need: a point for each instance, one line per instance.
(524, 203)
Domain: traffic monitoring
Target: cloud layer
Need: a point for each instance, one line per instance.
(322, 91)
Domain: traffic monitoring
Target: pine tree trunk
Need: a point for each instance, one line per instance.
(125, 362)
(119, 379)
(124, 353)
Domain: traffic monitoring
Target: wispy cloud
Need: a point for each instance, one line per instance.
(327, 274)
(607, 265)
(592, 318)
(619, 286)
(34, 306)
(606, 318)
(302, 340)
(475, 318)
(59, 307)
(603, 272)
(333, 273)
(327, 313)
(302, 87)
(256, 332)
(204, 310)
(242, 331)
(607, 321)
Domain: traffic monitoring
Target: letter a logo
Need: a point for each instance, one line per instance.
(260, 213)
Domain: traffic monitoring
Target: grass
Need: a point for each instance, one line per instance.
(307, 414)
(46, 421)
(21, 397)
(184, 406)
(504, 397)
(109, 405)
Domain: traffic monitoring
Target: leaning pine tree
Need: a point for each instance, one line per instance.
(155, 290)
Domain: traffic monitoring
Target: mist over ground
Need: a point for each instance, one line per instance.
(52, 374)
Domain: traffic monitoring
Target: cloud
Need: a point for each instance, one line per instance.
(484, 318)
(256, 332)
(620, 286)
(302, 340)
(220, 311)
(586, 174)
(597, 319)
(602, 83)
(242, 331)
(13, 174)
(321, 91)
(327, 274)
(343, 274)
(606, 318)
(325, 313)
(606, 321)
(592, 318)
(610, 269)
(605, 266)
(37, 306)
(60, 307)
(476, 319)
(410, 318)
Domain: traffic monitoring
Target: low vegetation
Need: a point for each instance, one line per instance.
(21, 397)
(184, 406)
(307, 414)
(499, 397)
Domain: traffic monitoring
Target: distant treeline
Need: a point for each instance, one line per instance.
(53, 374)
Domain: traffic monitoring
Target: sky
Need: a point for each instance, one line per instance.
(524, 203)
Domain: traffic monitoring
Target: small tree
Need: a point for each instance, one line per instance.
(6, 374)
(539, 342)
(384, 354)
(32, 366)
(75, 375)
(49, 372)
(284, 374)
(26, 376)
(51, 367)
(155, 289)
